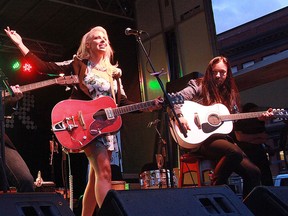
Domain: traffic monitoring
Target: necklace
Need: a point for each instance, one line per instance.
(97, 67)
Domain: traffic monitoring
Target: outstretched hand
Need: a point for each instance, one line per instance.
(13, 35)
(17, 40)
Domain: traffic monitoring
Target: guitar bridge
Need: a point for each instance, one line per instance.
(81, 120)
(67, 124)
(197, 120)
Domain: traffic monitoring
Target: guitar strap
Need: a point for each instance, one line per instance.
(111, 85)
(118, 91)
(117, 100)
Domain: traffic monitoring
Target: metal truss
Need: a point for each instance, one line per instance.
(36, 46)
(118, 8)
(123, 9)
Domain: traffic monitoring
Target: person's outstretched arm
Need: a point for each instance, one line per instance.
(17, 40)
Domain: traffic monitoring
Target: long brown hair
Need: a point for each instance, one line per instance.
(227, 93)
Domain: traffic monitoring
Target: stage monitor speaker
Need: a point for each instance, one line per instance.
(218, 200)
(268, 200)
(34, 204)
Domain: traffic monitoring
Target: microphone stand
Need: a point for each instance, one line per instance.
(168, 103)
(161, 157)
(4, 83)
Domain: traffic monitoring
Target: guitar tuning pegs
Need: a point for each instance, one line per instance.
(281, 114)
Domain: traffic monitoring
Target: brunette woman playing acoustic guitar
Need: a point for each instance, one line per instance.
(218, 86)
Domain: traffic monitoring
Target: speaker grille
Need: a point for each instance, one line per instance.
(30, 204)
(219, 200)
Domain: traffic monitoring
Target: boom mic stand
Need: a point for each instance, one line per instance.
(167, 103)
(4, 85)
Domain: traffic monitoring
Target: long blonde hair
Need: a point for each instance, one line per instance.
(83, 52)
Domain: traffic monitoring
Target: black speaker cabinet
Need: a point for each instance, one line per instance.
(268, 201)
(174, 201)
(34, 204)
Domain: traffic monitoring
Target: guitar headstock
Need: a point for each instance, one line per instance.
(68, 80)
(280, 114)
(176, 98)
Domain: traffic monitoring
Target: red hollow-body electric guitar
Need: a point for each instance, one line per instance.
(76, 123)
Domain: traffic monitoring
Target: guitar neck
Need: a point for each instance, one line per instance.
(33, 86)
(37, 85)
(133, 107)
(238, 116)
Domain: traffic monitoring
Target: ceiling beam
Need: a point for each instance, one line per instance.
(121, 11)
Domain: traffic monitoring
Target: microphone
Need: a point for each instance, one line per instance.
(129, 31)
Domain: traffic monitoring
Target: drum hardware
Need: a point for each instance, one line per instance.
(158, 178)
(154, 179)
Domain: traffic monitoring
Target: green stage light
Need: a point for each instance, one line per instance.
(153, 85)
(16, 65)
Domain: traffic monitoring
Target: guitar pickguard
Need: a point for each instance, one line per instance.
(208, 128)
(99, 123)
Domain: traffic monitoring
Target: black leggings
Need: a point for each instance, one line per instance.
(230, 159)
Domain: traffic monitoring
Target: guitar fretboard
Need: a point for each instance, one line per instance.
(133, 107)
(238, 116)
(281, 113)
(33, 86)
(66, 80)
